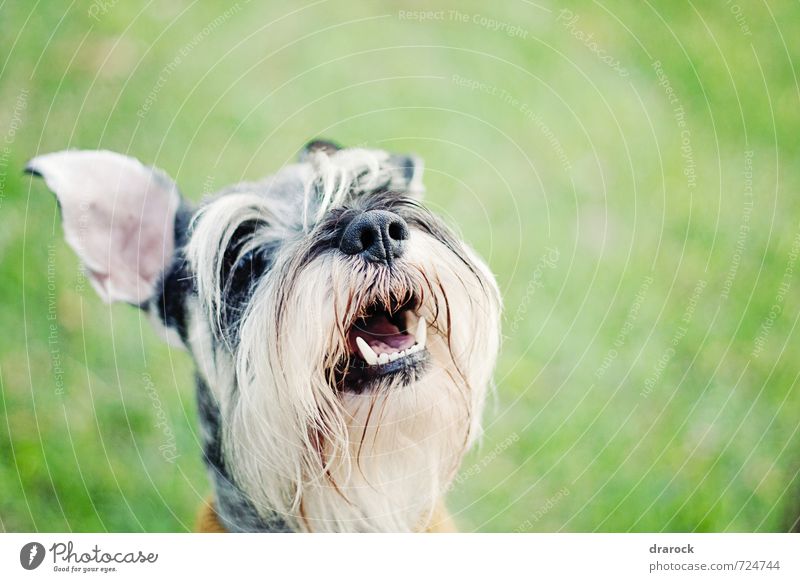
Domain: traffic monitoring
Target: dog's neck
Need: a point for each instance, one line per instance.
(234, 510)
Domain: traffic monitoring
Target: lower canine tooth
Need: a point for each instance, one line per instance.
(422, 333)
(367, 352)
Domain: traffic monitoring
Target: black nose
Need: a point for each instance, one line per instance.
(378, 235)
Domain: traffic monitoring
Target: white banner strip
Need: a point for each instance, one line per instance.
(409, 557)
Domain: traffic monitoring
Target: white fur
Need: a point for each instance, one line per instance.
(381, 475)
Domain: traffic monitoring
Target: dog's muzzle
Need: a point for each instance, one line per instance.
(387, 338)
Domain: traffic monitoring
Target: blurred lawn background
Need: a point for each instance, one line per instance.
(630, 175)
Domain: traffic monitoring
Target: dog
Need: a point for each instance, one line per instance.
(344, 337)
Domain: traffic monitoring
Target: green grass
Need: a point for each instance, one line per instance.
(557, 150)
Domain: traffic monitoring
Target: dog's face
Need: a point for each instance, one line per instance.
(347, 335)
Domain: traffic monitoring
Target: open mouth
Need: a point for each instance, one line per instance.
(386, 341)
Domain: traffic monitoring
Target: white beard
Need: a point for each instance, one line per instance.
(404, 446)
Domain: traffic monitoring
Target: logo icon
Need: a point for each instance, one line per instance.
(31, 555)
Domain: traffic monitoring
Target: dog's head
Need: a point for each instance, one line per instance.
(347, 334)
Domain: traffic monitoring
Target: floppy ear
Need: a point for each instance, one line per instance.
(118, 215)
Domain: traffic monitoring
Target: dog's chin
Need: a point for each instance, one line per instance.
(385, 347)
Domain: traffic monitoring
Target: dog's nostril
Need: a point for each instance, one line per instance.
(398, 230)
(367, 238)
(377, 235)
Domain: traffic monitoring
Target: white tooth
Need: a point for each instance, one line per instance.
(366, 352)
(394, 356)
(422, 332)
(383, 359)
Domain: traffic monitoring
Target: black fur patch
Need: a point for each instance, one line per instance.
(240, 276)
(177, 282)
